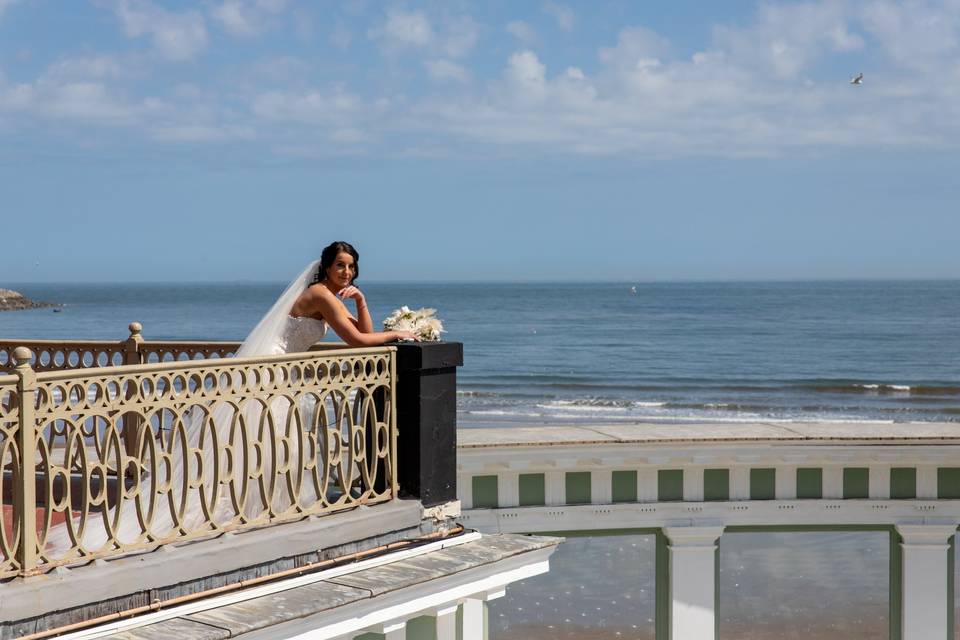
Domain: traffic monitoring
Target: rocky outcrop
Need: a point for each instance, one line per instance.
(14, 301)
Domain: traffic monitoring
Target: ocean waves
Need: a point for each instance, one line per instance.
(546, 383)
(554, 402)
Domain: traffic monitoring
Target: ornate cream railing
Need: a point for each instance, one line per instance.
(63, 355)
(134, 456)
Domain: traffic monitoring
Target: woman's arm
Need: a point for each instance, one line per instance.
(363, 322)
(338, 318)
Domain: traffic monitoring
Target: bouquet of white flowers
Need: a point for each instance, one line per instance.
(420, 322)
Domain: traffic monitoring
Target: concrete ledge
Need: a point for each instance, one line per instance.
(901, 432)
(752, 513)
(104, 587)
(355, 602)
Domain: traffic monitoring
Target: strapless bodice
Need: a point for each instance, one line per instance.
(300, 334)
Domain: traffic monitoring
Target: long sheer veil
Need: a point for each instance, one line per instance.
(266, 338)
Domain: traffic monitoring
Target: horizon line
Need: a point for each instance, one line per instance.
(691, 280)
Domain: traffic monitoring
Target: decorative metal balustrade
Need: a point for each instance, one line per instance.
(63, 355)
(109, 458)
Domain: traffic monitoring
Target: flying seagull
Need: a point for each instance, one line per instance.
(858, 79)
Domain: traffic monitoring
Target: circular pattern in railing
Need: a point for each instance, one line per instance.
(65, 355)
(127, 461)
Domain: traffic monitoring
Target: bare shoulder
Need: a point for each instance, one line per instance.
(320, 298)
(318, 292)
(315, 300)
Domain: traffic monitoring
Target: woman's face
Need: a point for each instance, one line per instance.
(341, 272)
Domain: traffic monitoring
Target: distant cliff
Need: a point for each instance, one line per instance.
(14, 301)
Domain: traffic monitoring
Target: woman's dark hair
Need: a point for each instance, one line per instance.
(329, 256)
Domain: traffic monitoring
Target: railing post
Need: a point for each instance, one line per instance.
(131, 346)
(693, 586)
(925, 578)
(26, 495)
(132, 355)
(426, 412)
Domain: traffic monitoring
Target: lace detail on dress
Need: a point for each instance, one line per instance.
(299, 335)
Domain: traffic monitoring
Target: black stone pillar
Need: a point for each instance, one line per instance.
(427, 420)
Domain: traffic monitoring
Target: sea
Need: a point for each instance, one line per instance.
(610, 352)
(634, 353)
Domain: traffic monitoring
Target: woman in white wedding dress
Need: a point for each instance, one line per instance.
(298, 319)
(322, 302)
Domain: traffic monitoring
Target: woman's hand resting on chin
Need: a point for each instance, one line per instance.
(352, 292)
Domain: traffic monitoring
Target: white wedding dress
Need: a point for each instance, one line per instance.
(299, 335)
(276, 333)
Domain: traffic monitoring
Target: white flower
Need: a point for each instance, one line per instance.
(420, 322)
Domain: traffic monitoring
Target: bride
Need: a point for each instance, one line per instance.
(322, 302)
(298, 319)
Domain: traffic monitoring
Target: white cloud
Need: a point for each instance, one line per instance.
(459, 36)
(746, 94)
(77, 92)
(521, 31)
(175, 35)
(914, 34)
(98, 66)
(454, 36)
(636, 47)
(787, 39)
(246, 18)
(526, 76)
(446, 70)
(80, 101)
(237, 18)
(314, 106)
(564, 16)
(404, 30)
(762, 87)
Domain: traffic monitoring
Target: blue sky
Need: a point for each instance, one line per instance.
(233, 139)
